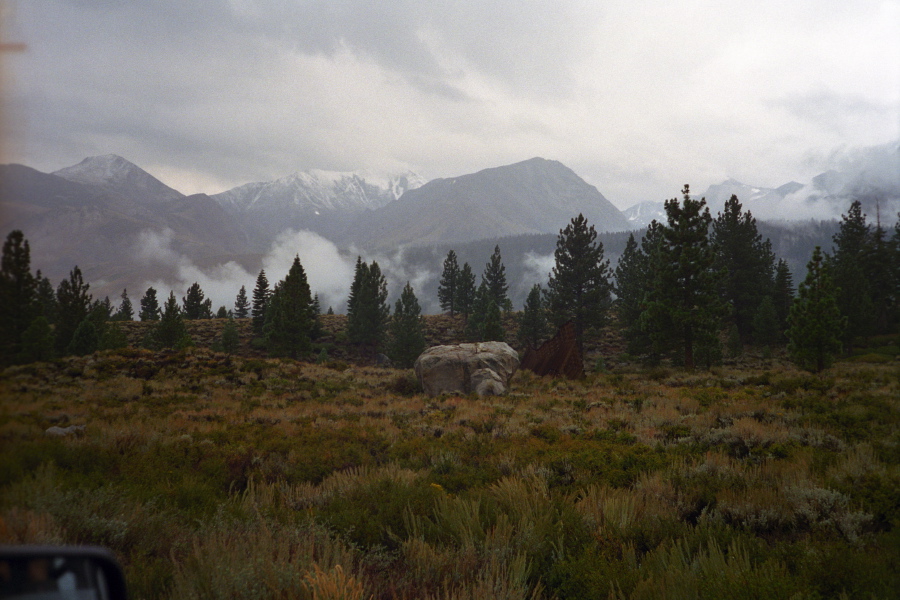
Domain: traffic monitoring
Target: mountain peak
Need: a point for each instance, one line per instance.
(99, 169)
(114, 173)
(534, 196)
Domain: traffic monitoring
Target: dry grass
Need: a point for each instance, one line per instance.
(215, 476)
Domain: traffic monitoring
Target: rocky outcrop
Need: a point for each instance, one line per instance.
(483, 368)
(56, 431)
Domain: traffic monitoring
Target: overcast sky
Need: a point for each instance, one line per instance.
(636, 96)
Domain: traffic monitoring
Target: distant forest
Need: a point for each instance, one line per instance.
(792, 241)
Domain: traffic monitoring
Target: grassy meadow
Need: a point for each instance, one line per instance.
(216, 476)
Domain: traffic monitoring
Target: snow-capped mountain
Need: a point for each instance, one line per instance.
(869, 175)
(758, 200)
(642, 213)
(318, 192)
(113, 173)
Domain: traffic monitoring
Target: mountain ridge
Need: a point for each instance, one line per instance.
(114, 173)
(532, 196)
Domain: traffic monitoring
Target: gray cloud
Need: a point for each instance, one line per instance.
(329, 270)
(636, 96)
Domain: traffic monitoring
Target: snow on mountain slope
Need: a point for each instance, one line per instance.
(642, 213)
(113, 173)
(317, 191)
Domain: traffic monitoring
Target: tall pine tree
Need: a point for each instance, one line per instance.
(125, 311)
(579, 289)
(149, 306)
(18, 295)
(684, 311)
(170, 331)
(46, 297)
(847, 270)
(877, 262)
(495, 277)
(73, 305)
(407, 330)
(241, 304)
(194, 305)
(465, 291)
(533, 320)
(747, 262)
(783, 295)
(641, 337)
(447, 288)
(484, 323)
(261, 295)
(367, 309)
(631, 285)
(289, 315)
(815, 320)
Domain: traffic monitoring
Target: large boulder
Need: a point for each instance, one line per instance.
(484, 368)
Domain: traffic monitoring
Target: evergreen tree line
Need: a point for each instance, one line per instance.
(696, 287)
(692, 289)
(40, 323)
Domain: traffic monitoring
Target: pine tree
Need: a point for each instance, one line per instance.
(637, 276)
(106, 306)
(846, 266)
(73, 305)
(492, 326)
(632, 280)
(465, 291)
(783, 295)
(495, 277)
(18, 295)
(448, 286)
(629, 285)
(407, 330)
(222, 313)
(315, 331)
(85, 340)
(747, 262)
(241, 304)
(684, 311)
(533, 320)
(367, 309)
(767, 330)
(877, 265)
(46, 297)
(484, 324)
(38, 342)
(289, 315)
(92, 330)
(261, 296)
(170, 331)
(815, 321)
(125, 311)
(230, 339)
(579, 289)
(149, 306)
(355, 300)
(194, 305)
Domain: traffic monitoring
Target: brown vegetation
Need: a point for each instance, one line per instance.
(237, 476)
